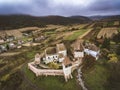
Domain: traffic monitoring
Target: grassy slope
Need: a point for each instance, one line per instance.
(75, 35)
(51, 82)
(96, 78)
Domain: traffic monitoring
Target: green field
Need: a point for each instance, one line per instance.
(52, 82)
(96, 78)
(75, 35)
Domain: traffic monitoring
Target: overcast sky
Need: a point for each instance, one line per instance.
(60, 7)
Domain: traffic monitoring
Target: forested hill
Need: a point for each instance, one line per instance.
(20, 21)
(106, 18)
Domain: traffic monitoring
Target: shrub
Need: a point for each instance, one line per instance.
(53, 65)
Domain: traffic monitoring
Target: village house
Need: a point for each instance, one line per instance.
(11, 45)
(10, 38)
(39, 38)
(93, 50)
(78, 51)
(2, 41)
(2, 48)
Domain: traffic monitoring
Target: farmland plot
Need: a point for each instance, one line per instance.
(107, 32)
(116, 23)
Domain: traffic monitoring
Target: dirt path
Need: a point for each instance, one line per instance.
(81, 82)
(13, 53)
(9, 54)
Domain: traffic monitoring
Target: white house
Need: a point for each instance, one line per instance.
(78, 49)
(2, 41)
(92, 50)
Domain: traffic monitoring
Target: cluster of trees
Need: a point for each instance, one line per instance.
(116, 38)
(113, 65)
(53, 65)
(18, 21)
(106, 43)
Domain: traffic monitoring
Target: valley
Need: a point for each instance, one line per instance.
(99, 74)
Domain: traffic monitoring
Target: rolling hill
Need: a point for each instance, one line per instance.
(106, 18)
(20, 21)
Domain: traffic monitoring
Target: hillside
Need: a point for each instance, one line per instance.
(81, 18)
(106, 18)
(20, 21)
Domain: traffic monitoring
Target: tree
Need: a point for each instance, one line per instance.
(118, 50)
(116, 38)
(106, 43)
(53, 65)
(112, 58)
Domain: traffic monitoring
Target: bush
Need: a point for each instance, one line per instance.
(118, 50)
(106, 43)
(112, 58)
(53, 65)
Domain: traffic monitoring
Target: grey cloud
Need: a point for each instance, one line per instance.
(45, 7)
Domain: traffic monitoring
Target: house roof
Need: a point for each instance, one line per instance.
(93, 47)
(61, 47)
(67, 61)
(51, 50)
(78, 45)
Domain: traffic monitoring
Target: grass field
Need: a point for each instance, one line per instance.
(95, 79)
(51, 82)
(75, 35)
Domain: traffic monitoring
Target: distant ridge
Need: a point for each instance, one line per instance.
(20, 21)
(81, 18)
(105, 18)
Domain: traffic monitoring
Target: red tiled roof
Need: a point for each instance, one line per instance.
(67, 61)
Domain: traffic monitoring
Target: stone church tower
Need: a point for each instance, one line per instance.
(67, 68)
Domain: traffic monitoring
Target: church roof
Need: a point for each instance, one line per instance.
(78, 46)
(51, 50)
